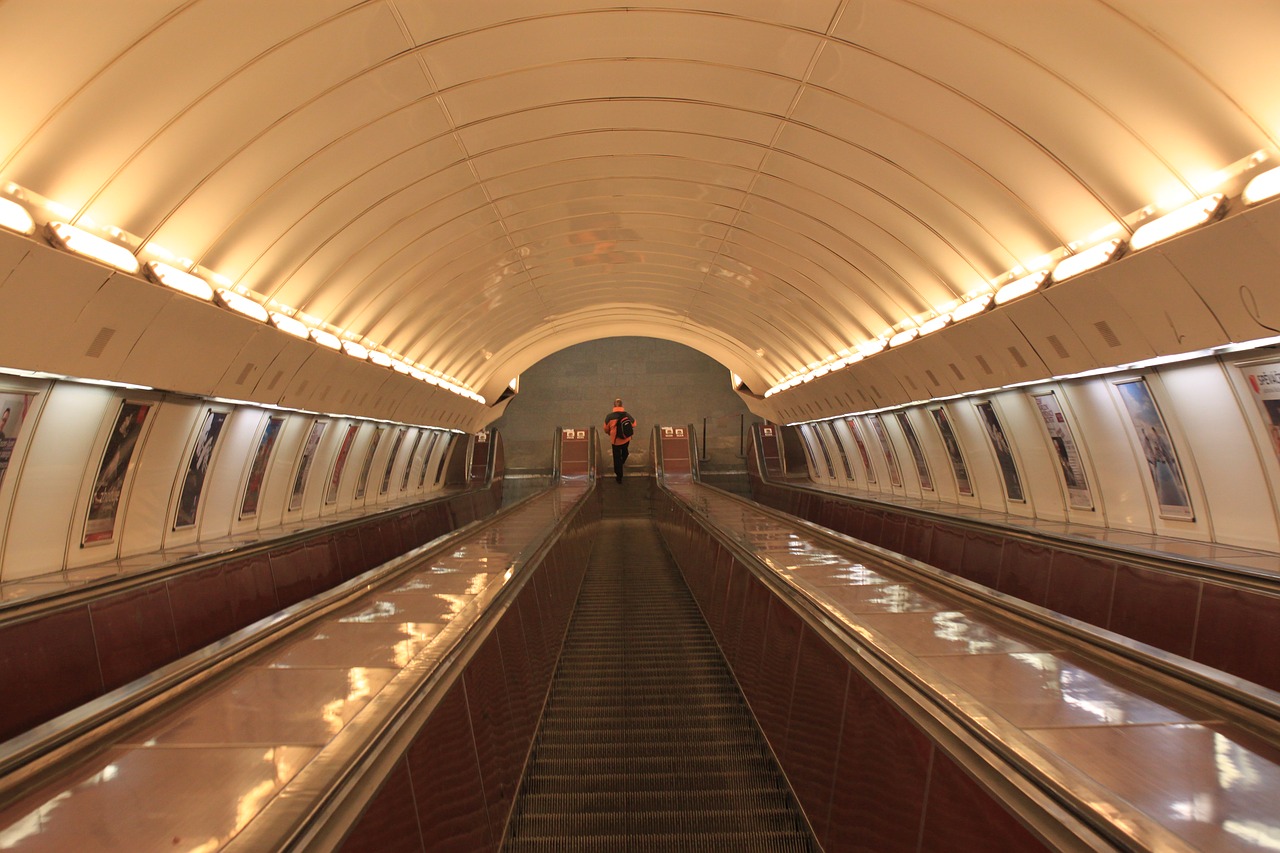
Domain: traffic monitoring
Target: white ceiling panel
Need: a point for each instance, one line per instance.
(473, 185)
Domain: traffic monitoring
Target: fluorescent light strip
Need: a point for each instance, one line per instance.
(243, 305)
(972, 308)
(290, 325)
(175, 279)
(903, 337)
(326, 339)
(1023, 286)
(1179, 221)
(14, 217)
(355, 350)
(1262, 187)
(1091, 258)
(88, 245)
(935, 325)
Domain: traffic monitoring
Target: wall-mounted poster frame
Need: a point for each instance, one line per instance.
(426, 457)
(961, 471)
(409, 457)
(304, 464)
(1172, 495)
(891, 458)
(362, 482)
(1064, 450)
(258, 470)
(1263, 379)
(917, 452)
(844, 457)
(385, 485)
(856, 432)
(198, 468)
(14, 406)
(1003, 451)
(113, 471)
(339, 463)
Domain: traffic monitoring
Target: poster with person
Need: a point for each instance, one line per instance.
(409, 457)
(108, 485)
(890, 458)
(258, 470)
(961, 471)
(198, 468)
(335, 477)
(391, 461)
(1064, 449)
(13, 411)
(362, 483)
(917, 452)
(426, 458)
(1157, 449)
(304, 464)
(1003, 450)
(862, 451)
(1264, 385)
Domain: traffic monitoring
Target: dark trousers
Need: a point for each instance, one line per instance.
(620, 452)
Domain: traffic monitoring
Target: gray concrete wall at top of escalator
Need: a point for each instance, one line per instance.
(660, 382)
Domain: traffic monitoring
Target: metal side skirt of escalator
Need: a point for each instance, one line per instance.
(646, 742)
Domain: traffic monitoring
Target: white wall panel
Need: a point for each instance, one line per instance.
(1041, 479)
(279, 479)
(1233, 457)
(161, 465)
(46, 508)
(48, 289)
(1118, 491)
(230, 466)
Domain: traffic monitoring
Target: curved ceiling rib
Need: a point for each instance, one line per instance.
(474, 186)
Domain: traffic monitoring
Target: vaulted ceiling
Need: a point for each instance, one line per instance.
(474, 184)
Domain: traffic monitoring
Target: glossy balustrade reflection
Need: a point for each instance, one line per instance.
(240, 763)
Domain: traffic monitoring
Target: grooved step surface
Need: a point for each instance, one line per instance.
(646, 742)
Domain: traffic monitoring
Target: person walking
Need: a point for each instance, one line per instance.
(620, 426)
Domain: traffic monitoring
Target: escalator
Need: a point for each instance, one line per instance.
(646, 742)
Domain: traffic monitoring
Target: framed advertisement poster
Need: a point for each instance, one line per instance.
(1064, 450)
(890, 458)
(108, 486)
(13, 411)
(304, 464)
(961, 471)
(426, 457)
(408, 465)
(1264, 385)
(362, 483)
(391, 461)
(198, 468)
(340, 463)
(258, 470)
(844, 457)
(917, 452)
(862, 450)
(1157, 448)
(1003, 450)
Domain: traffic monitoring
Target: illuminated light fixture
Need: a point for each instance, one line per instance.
(355, 350)
(1183, 219)
(14, 217)
(937, 324)
(380, 358)
(291, 326)
(325, 339)
(1021, 287)
(903, 337)
(175, 279)
(479, 398)
(1262, 187)
(243, 305)
(1091, 258)
(81, 242)
(870, 348)
(400, 367)
(972, 308)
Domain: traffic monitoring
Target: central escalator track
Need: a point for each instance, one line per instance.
(646, 742)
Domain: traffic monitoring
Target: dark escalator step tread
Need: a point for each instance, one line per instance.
(780, 842)
(642, 748)
(738, 732)
(656, 801)
(542, 782)
(633, 821)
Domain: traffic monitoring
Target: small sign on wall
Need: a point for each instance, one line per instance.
(568, 433)
(767, 431)
(679, 432)
(668, 432)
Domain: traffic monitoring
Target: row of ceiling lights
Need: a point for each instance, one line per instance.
(15, 217)
(1199, 212)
